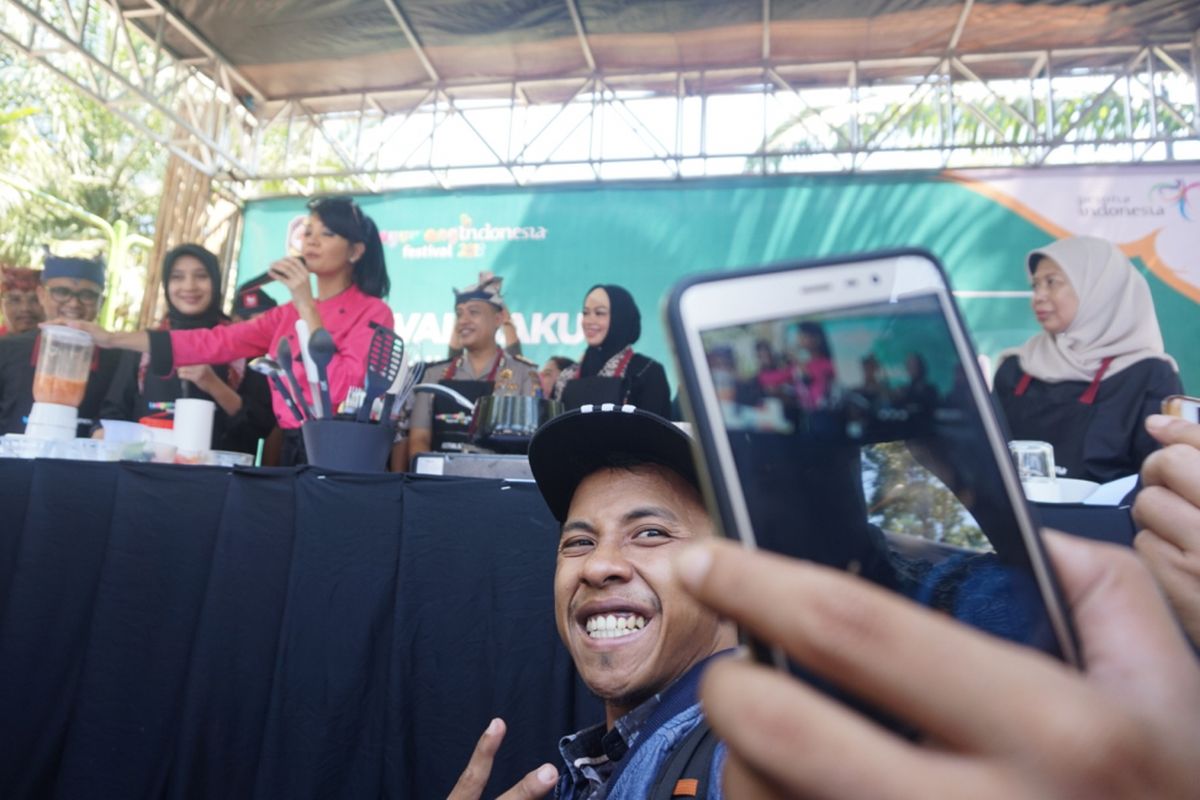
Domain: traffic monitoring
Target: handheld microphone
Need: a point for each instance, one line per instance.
(261, 280)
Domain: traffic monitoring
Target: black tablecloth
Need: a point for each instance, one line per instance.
(1103, 523)
(202, 632)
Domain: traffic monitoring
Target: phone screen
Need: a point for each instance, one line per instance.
(858, 444)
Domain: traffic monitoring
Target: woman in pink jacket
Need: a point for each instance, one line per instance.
(343, 250)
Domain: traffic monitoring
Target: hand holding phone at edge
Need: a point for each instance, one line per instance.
(1001, 720)
(1167, 514)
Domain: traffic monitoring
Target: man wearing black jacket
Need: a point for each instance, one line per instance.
(71, 288)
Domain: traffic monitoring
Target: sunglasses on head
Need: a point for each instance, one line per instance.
(317, 203)
(62, 294)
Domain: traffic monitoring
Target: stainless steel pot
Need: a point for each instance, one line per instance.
(506, 424)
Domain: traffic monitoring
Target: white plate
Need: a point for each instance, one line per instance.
(1062, 490)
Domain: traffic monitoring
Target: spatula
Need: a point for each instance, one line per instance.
(322, 349)
(384, 359)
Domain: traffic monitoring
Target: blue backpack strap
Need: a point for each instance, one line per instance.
(675, 700)
(686, 771)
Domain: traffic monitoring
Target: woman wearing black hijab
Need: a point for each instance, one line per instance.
(191, 284)
(610, 372)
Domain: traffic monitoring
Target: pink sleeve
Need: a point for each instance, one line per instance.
(225, 343)
(349, 366)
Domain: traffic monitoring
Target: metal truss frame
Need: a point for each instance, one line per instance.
(1040, 116)
(190, 106)
(1133, 103)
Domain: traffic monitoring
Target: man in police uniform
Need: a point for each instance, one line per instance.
(438, 423)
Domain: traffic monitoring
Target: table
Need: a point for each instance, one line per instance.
(473, 465)
(174, 631)
(1103, 523)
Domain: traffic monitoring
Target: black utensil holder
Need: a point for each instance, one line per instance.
(348, 446)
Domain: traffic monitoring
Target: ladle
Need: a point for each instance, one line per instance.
(284, 352)
(265, 365)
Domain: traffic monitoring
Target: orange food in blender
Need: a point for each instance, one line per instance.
(53, 389)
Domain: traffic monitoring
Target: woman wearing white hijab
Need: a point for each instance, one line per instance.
(1086, 383)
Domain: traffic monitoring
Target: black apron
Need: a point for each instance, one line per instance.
(597, 390)
(1065, 426)
(451, 434)
(594, 390)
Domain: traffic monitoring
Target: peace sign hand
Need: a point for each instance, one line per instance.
(474, 778)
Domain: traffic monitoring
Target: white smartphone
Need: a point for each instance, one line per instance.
(842, 418)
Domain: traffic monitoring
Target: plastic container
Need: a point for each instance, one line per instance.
(87, 450)
(123, 431)
(63, 364)
(148, 452)
(190, 456)
(158, 428)
(18, 445)
(161, 453)
(229, 458)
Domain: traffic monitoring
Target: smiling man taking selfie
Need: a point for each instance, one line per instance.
(623, 484)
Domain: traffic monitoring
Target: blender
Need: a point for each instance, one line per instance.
(60, 378)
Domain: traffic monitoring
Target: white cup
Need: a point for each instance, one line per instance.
(194, 424)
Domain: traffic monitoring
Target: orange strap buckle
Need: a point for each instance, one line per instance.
(686, 787)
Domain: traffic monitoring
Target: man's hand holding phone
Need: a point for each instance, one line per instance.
(896, 469)
(1167, 513)
(1001, 721)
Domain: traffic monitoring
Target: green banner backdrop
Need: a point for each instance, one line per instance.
(551, 244)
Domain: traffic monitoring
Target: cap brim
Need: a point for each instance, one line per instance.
(573, 445)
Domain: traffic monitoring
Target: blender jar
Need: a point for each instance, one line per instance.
(59, 381)
(63, 364)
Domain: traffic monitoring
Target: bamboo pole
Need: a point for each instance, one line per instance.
(182, 211)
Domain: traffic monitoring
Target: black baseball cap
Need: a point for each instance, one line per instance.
(573, 445)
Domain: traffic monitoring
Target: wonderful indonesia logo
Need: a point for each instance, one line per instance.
(466, 240)
(1179, 193)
